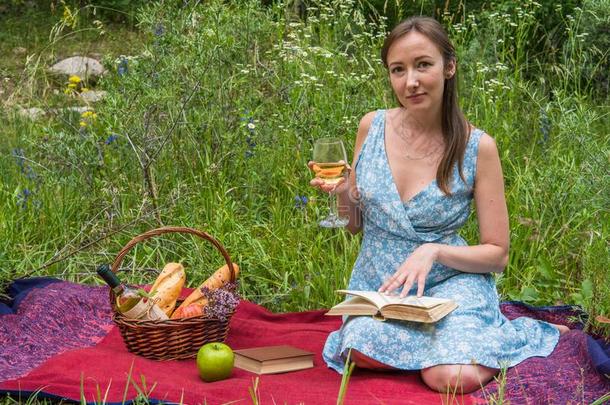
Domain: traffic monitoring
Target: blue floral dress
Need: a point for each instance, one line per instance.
(476, 332)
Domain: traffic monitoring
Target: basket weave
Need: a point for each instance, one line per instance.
(172, 339)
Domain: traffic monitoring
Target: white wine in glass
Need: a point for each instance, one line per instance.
(329, 165)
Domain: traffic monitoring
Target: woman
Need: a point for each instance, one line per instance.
(417, 169)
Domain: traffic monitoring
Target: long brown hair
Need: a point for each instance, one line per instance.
(454, 124)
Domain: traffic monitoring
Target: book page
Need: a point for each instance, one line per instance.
(380, 300)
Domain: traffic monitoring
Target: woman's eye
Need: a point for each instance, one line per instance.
(423, 64)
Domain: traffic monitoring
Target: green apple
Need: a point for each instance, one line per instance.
(215, 361)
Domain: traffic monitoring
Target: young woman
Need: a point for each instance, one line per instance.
(417, 168)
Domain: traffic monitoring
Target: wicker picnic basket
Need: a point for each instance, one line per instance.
(171, 339)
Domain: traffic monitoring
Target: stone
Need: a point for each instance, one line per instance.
(79, 110)
(92, 96)
(32, 113)
(80, 66)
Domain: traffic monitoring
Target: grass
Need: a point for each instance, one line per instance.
(185, 155)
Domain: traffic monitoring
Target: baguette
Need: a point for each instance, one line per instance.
(216, 280)
(167, 287)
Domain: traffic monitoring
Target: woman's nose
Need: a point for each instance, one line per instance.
(412, 82)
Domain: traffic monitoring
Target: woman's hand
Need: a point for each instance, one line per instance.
(338, 187)
(414, 269)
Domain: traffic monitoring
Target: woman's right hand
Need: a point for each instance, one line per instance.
(339, 187)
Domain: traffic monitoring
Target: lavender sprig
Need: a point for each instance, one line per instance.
(221, 301)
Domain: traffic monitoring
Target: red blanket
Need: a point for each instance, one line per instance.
(58, 337)
(103, 370)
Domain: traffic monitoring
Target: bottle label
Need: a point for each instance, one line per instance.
(146, 310)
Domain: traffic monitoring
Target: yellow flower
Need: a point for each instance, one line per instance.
(67, 91)
(74, 79)
(83, 124)
(84, 90)
(72, 85)
(87, 114)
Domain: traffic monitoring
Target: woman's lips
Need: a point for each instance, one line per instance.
(415, 97)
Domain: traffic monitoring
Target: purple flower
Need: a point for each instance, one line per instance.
(222, 301)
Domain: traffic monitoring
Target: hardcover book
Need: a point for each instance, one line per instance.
(273, 359)
(383, 306)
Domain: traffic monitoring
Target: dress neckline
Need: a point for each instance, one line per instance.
(387, 161)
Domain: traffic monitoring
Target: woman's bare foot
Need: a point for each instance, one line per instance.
(562, 328)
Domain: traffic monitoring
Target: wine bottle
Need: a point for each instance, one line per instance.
(129, 301)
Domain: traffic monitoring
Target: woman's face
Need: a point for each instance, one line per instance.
(417, 72)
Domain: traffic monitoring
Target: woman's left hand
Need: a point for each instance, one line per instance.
(414, 269)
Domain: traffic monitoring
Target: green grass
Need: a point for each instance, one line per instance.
(183, 108)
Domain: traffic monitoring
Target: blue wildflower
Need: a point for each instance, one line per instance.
(23, 198)
(300, 201)
(21, 161)
(19, 158)
(111, 139)
(159, 30)
(123, 67)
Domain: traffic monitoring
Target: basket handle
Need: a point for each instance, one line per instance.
(172, 229)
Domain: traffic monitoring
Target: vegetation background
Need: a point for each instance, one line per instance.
(211, 112)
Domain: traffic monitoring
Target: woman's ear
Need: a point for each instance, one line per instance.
(450, 69)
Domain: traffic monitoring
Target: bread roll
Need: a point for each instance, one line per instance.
(216, 280)
(168, 286)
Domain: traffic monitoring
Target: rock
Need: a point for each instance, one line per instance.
(92, 96)
(80, 66)
(32, 113)
(79, 110)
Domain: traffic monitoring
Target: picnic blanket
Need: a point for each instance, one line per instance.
(57, 340)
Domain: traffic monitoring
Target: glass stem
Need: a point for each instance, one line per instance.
(332, 205)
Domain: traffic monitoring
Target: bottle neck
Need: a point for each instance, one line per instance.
(109, 277)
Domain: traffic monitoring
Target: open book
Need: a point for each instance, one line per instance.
(382, 306)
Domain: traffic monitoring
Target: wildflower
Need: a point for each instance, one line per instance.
(74, 79)
(159, 30)
(111, 139)
(83, 124)
(221, 301)
(89, 115)
(24, 197)
(122, 68)
(300, 201)
(251, 126)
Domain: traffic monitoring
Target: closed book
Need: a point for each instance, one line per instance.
(384, 306)
(273, 359)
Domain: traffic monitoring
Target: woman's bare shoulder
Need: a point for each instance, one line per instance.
(487, 146)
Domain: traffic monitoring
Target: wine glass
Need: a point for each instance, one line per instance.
(329, 165)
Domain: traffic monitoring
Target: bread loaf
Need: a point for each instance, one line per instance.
(167, 287)
(216, 280)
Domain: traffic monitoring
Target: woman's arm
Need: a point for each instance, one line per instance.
(490, 255)
(349, 200)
